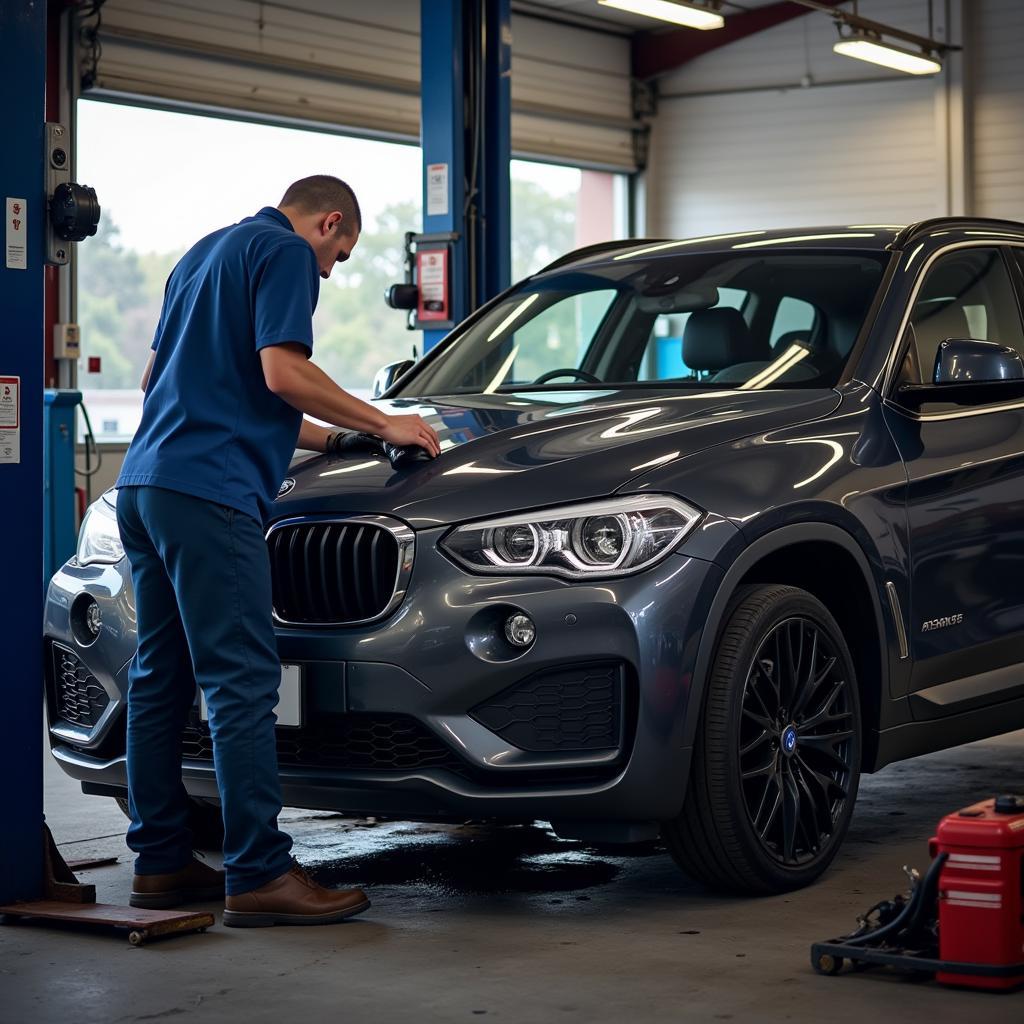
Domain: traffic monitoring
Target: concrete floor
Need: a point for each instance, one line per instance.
(511, 924)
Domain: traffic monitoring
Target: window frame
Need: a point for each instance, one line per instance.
(1012, 255)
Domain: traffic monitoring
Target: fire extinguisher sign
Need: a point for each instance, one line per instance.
(10, 420)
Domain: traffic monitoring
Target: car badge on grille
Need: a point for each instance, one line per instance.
(285, 487)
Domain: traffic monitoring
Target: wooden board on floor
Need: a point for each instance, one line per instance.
(141, 925)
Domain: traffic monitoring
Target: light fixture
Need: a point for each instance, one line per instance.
(866, 46)
(679, 12)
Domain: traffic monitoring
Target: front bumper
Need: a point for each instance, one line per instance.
(432, 663)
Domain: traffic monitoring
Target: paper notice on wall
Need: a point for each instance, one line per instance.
(17, 235)
(437, 190)
(10, 420)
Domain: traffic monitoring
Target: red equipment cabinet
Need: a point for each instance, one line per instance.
(981, 891)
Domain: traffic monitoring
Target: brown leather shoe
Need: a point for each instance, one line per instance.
(195, 883)
(292, 898)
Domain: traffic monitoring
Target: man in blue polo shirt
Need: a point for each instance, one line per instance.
(227, 383)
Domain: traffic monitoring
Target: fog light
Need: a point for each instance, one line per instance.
(520, 630)
(93, 619)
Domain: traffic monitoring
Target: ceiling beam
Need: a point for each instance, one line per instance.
(655, 53)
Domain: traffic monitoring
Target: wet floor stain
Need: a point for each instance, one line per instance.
(471, 859)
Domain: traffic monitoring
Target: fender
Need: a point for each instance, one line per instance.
(782, 537)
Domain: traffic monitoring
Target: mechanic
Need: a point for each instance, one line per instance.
(225, 388)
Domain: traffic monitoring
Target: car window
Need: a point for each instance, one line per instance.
(966, 294)
(792, 317)
(663, 356)
(681, 320)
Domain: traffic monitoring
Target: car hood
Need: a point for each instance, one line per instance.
(509, 452)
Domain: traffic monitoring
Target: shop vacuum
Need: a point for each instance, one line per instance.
(963, 922)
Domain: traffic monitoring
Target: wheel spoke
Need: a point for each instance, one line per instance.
(760, 772)
(817, 810)
(790, 816)
(824, 713)
(764, 723)
(826, 783)
(750, 747)
(773, 808)
(811, 682)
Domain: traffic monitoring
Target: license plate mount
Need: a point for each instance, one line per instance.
(289, 709)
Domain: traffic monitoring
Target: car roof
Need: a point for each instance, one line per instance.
(873, 237)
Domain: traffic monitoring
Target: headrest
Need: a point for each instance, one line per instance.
(937, 322)
(716, 338)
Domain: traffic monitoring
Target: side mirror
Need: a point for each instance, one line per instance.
(387, 375)
(965, 361)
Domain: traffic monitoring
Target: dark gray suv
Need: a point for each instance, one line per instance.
(718, 524)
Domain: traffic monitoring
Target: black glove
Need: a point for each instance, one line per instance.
(345, 441)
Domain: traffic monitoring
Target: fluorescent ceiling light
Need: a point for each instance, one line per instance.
(676, 11)
(888, 56)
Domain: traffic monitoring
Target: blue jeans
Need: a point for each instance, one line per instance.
(201, 576)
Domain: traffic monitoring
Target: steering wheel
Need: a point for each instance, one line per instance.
(567, 372)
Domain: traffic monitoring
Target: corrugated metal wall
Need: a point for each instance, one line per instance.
(349, 65)
(998, 135)
(785, 155)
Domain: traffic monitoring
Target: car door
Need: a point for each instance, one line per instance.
(965, 498)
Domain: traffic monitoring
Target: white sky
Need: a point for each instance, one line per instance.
(167, 179)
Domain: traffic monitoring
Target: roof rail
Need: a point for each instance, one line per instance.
(594, 250)
(924, 227)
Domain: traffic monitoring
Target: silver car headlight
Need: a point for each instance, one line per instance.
(611, 537)
(99, 541)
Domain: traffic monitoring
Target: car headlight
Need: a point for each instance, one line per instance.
(612, 537)
(99, 542)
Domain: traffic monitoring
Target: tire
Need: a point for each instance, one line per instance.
(204, 821)
(776, 763)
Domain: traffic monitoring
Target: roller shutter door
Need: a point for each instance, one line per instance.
(355, 67)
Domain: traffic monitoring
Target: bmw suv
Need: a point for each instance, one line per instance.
(718, 524)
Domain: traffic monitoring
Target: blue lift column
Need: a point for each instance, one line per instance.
(465, 74)
(22, 90)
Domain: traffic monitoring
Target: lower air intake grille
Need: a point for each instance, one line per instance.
(563, 709)
(332, 573)
(353, 742)
(78, 697)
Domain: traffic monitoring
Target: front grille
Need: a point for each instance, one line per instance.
(563, 709)
(78, 697)
(354, 742)
(332, 573)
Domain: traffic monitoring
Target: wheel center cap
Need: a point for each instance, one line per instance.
(789, 738)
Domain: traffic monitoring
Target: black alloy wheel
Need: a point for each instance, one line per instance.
(777, 761)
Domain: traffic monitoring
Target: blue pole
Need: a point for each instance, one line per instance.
(442, 134)
(22, 90)
(466, 161)
(495, 254)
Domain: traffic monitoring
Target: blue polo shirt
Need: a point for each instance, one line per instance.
(210, 425)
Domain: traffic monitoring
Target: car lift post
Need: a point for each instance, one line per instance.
(465, 55)
(22, 91)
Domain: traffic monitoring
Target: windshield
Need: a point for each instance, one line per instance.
(785, 320)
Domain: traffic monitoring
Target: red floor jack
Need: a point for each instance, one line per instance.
(964, 921)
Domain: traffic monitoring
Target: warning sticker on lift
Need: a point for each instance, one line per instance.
(10, 420)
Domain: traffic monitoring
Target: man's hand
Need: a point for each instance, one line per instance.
(405, 430)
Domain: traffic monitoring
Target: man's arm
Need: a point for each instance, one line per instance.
(312, 437)
(144, 383)
(304, 386)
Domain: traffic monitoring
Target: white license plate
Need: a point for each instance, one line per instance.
(289, 704)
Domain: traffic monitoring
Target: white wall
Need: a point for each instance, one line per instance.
(997, 31)
(744, 145)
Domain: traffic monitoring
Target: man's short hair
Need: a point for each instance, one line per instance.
(322, 193)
